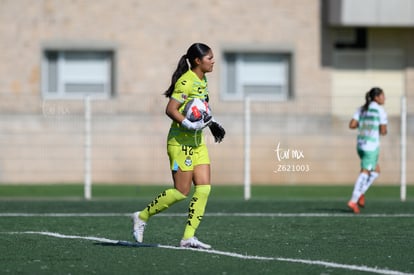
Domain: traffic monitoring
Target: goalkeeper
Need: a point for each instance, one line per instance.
(187, 151)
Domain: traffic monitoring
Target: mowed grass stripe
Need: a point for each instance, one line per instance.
(229, 254)
(263, 215)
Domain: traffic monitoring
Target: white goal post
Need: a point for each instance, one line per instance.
(247, 133)
(87, 152)
(403, 176)
(247, 138)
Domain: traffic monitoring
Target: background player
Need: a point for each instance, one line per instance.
(371, 121)
(187, 151)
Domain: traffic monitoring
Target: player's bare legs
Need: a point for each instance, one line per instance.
(183, 179)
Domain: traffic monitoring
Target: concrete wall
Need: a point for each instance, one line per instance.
(43, 140)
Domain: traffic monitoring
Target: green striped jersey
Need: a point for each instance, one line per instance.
(369, 125)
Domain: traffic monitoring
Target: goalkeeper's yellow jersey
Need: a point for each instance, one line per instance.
(187, 87)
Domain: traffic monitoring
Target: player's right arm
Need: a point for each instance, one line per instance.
(353, 124)
(172, 110)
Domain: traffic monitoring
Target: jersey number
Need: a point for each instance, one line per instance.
(187, 149)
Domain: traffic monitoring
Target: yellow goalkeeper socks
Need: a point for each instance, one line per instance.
(161, 202)
(196, 210)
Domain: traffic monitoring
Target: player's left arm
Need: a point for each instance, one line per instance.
(383, 122)
(383, 129)
(217, 130)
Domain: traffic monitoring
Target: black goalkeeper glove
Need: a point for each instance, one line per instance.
(217, 130)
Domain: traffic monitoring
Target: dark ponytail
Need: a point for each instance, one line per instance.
(182, 67)
(370, 96)
(187, 61)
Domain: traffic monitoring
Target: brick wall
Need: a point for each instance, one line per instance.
(42, 140)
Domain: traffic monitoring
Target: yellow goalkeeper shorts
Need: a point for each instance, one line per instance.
(187, 157)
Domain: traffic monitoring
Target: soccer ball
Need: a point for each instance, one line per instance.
(197, 109)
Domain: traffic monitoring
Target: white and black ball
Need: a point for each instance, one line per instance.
(197, 109)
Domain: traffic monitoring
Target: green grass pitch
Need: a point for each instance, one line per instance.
(281, 230)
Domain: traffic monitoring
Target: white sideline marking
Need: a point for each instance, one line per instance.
(268, 215)
(229, 254)
(58, 235)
